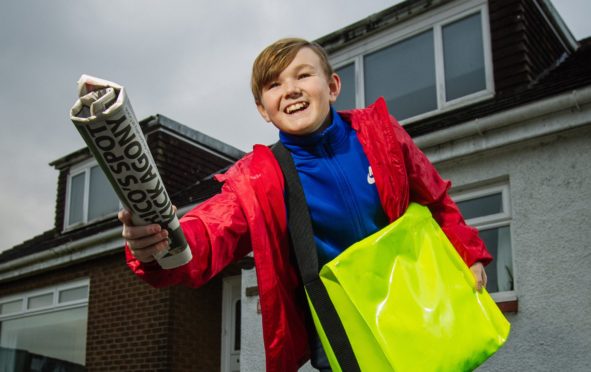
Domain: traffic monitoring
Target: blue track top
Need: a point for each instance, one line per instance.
(339, 187)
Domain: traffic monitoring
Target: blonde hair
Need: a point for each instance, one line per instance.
(276, 57)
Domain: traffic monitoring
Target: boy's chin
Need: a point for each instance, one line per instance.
(305, 131)
(301, 129)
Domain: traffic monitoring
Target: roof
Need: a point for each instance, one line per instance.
(157, 122)
(376, 23)
(186, 160)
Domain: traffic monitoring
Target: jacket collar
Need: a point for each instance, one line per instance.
(334, 134)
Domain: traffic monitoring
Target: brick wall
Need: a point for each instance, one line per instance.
(195, 334)
(134, 327)
(127, 320)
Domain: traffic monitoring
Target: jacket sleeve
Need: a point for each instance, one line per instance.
(217, 233)
(429, 189)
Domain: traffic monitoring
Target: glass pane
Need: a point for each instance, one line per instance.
(73, 294)
(76, 198)
(500, 271)
(11, 307)
(40, 301)
(404, 74)
(102, 200)
(57, 338)
(463, 55)
(483, 206)
(346, 100)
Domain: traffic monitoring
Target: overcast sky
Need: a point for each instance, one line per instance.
(188, 60)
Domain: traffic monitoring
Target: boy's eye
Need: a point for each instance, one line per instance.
(303, 76)
(272, 85)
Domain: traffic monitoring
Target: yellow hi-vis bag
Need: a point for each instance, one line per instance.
(407, 301)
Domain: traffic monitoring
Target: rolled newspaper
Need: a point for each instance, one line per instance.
(105, 119)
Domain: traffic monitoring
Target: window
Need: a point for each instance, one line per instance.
(346, 99)
(89, 196)
(45, 328)
(440, 62)
(488, 210)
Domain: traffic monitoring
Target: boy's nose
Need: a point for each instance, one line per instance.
(292, 89)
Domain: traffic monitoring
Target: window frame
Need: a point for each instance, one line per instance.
(435, 21)
(55, 305)
(55, 308)
(492, 220)
(231, 295)
(82, 168)
(497, 220)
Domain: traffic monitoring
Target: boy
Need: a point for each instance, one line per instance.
(359, 171)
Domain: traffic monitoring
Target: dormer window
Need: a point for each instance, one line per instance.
(439, 62)
(89, 197)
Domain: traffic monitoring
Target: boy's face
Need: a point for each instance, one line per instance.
(298, 101)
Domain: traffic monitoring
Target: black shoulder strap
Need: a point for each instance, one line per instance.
(298, 216)
(302, 239)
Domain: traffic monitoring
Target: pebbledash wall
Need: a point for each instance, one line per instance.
(550, 184)
(134, 327)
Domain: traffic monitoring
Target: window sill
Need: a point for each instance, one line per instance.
(506, 301)
(508, 306)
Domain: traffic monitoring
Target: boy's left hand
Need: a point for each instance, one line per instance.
(479, 274)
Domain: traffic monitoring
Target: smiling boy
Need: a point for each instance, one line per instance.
(297, 101)
(359, 171)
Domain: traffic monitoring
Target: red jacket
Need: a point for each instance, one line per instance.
(249, 214)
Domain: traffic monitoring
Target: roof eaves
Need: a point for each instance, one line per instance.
(376, 23)
(71, 158)
(193, 135)
(558, 24)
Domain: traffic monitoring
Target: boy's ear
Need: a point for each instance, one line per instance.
(334, 84)
(263, 112)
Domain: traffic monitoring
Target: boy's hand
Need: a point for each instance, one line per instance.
(479, 274)
(143, 241)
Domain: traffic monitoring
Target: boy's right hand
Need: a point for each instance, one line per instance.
(143, 241)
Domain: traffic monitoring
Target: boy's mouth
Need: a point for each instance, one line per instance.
(299, 106)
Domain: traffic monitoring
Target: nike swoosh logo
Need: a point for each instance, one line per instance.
(370, 178)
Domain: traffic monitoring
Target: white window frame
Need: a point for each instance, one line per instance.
(53, 307)
(502, 219)
(231, 294)
(493, 220)
(85, 168)
(434, 20)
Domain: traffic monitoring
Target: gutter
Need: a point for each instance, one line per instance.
(519, 117)
(60, 255)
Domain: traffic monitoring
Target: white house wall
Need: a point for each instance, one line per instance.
(550, 194)
(252, 352)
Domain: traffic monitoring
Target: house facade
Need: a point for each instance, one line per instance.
(497, 93)
(69, 302)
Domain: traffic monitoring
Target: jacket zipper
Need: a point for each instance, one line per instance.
(345, 189)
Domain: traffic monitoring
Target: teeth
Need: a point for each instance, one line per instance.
(296, 107)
